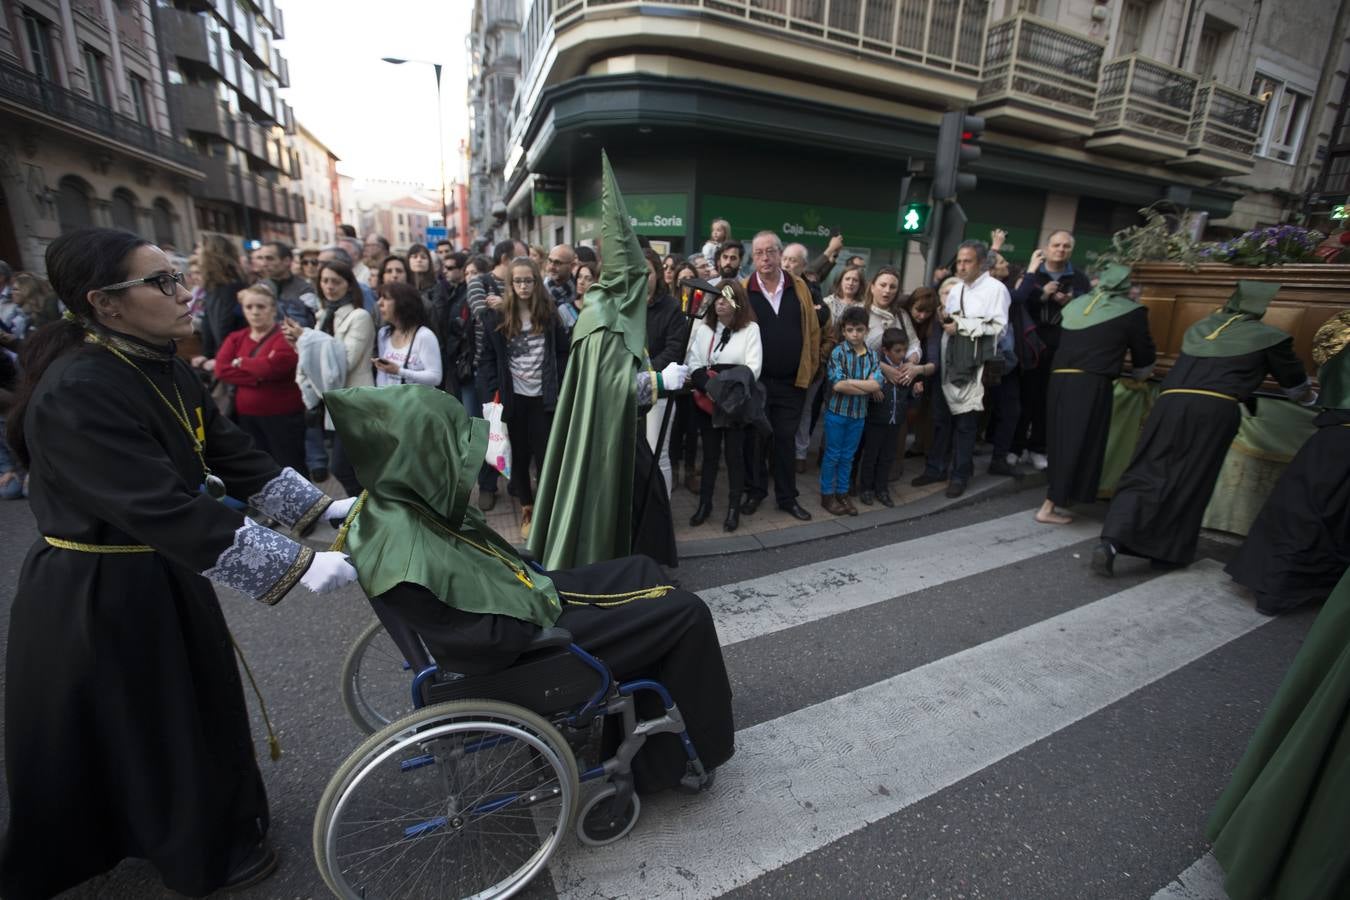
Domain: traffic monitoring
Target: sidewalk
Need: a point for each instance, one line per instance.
(772, 527)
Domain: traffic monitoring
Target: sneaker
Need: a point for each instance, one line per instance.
(1013, 459)
(1039, 461)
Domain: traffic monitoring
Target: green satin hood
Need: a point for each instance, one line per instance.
(417, 453)
(1237, 329)
(1110, 299)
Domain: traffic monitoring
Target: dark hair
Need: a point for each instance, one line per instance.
(283, 250)
(743, 315)
(444, 243)
(384, 264)
(459, 256)
(409, 311)
(422, 280)
(353, 297)
(589, 266)
(586, 254)
(854, 315)
(503, 251)
(348, 230)
(77, 263)
(724, 247)
(884, 270)
(894, 337)
(654, 263)
(927, 298)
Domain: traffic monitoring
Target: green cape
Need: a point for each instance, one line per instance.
(1110, 299)
(583, 510)
(1331, 353)
(417, 452)
(1236, 329)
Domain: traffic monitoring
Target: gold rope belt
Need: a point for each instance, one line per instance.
(62, 544)
(1200, 393)
(1068, 371)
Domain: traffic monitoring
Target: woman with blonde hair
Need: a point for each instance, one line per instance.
(222, 280)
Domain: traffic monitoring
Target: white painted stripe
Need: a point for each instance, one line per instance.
(813, 776)
(1203, 880)
(808, 593)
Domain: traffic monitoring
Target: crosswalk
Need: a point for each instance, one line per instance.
(804, 780)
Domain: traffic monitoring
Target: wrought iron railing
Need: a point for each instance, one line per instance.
(21, 87)
(1146, 98)
(942, 35)
(1029, 58)
(1225, 121)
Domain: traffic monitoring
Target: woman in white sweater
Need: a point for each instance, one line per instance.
(726, 336)
(408, 352)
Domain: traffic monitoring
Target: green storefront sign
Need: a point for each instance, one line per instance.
(651, 214)
(804, 222)
(550, 203)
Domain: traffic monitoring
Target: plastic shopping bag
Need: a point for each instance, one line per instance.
(499, 442)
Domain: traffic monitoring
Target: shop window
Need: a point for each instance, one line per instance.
(72, 204)
(124, 211)
(1284, 119)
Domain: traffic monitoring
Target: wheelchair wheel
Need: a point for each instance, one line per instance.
(376, 680)
(463, 799)
(597, 824)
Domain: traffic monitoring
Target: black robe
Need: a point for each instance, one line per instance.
(1299, 546)
(126, 733)
(671, 639)
(1160, 500)
(653, 526)
(1079, 404)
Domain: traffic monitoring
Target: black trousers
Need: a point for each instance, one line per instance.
(784, 409)
(879, 444)
(714, 439)
(1033, 387)
(342, 467)
(1005, 398)
(281, 436)
(527, 425)
(684, 431)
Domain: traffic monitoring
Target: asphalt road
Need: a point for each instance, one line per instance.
(1107, 803)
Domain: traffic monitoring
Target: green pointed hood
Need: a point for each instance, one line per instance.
(618, 300)
(1237, 329)
(1331, 354)
(1110, 299)
(417, 453)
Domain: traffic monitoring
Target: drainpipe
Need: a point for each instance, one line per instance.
(1318, 108)
(1186, 35)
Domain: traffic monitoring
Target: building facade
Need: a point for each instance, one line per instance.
(317, 186)
(86, 135)
(494, 45)
(224, 74)
(806, 116)
(402, 221)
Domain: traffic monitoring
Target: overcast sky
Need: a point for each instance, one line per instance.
(379, 119)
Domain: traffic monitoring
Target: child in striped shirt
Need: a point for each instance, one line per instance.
(854, 373)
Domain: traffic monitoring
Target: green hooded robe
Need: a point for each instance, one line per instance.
(583, 510)
(1237, 329)
(1110, 299)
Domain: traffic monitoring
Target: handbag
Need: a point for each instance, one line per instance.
(499, 440)
(701, 398)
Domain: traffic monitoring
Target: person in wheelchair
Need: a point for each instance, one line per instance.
(427, 558)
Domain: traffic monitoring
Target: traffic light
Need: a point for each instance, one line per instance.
(957, 147)
(914, 218)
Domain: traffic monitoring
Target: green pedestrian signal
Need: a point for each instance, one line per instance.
(914, 218)
(1338, 212)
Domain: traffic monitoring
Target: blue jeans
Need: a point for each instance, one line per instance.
(842, 435)
(13, 490)
(316, 454)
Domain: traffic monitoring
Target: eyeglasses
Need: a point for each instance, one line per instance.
(451, 268)
(309, 262)
(559, 262)
(522, 281)
(165, 281)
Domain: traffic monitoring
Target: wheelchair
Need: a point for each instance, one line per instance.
(472, 792)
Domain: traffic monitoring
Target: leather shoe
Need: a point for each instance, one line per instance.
(487, 500)
(253, 868)
(847, 502)
(865, 498)
(733, 519)
(925, 478)
(751, 504)
(884, 498)
(832, 505)
(1104, 558)
(795, 510)
(701, 514)
(955, 488)
(999, 466)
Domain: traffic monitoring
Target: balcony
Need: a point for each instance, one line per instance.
(281, 68)
(225, 184)
(298, 213)
(1039, 79)
(925, 50)
(221, 183)
(184, 34)
(1223, 133)
(249, 137)
(34, 98)
(198, 110)
(1144, 110)
(501, 14)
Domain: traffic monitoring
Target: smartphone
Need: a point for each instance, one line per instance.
(382, 361)
(834, 232)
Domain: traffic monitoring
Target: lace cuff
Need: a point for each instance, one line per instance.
(291, 500)
(646, 389)
(261, 563)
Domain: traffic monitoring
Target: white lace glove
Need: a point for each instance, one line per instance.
(328, 572)
(336, 513)
(673, 377)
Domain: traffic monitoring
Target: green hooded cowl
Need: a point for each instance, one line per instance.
(1110, 299)
(418, 454)
(1237, 329)
(583, 510)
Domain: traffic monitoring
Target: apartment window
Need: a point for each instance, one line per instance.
(72, 204)
(162, 215)
(39, 32)
(98, 76)
(140, 99)
(1133, 27)
(1211, 50)
(124, 211)
(1285, 117)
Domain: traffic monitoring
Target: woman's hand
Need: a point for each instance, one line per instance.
(385, 366)
(893, 375)
(494, 301)
(291, 329)
(198, 362)
(1037, 257)
(209, 365)
(996, 239)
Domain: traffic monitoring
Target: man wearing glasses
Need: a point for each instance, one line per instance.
(561, 262)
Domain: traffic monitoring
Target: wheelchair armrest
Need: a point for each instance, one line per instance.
(549, 637)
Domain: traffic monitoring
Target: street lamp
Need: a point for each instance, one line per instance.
(440, 127)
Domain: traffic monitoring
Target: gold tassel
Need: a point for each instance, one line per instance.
(606, 600)
(1215, 333)
(273, 744)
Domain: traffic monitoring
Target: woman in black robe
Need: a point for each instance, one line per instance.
(1161, 499)
(1299, 546)
(124, 711)
(1097, 330)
